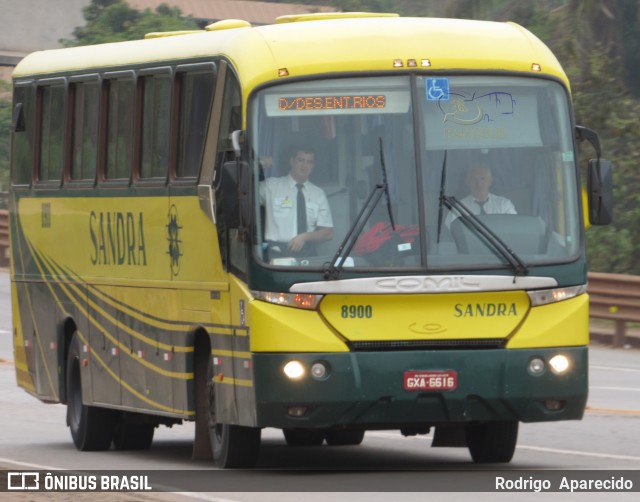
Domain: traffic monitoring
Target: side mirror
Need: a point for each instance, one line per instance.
(600, 192)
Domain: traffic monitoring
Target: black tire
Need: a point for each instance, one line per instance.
(344, 438)
(128, 436)
(91, 427)
(492, 442)
(303, 437)
(232, 446)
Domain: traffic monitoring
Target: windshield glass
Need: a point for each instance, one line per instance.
(404, 173)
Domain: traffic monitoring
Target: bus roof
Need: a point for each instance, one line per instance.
(319, 44)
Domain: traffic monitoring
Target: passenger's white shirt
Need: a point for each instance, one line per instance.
(495, 204)
(279, 195)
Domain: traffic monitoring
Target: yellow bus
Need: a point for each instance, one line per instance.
(159, 276)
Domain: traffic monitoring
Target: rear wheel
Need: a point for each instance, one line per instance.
(344, 438)
(232, 446)
(492, 442)
(91, 427)
(303, 437)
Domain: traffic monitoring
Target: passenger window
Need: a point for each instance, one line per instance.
(156, 117)
(51, 98)
(195, 94)
(23, 128)
(86, 107)
(119, 151)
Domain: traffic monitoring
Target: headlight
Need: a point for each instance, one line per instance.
(560, 364)
(294, 370)
(546, 296)
(298, 300)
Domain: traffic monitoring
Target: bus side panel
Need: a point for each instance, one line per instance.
(36, 349)
(106, 352)
(242, 409)
(22, 324)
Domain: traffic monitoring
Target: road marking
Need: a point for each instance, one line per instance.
(633, 389)
(579, 453)
(382, 434)
(167, 489)
(28, 464)
(613, 368)
(610, 411)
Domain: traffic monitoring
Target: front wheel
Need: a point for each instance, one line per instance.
(91, 427)
(492, 442)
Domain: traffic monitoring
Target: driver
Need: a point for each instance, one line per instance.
(297, 213)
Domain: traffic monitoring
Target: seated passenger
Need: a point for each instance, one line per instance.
(297, 213)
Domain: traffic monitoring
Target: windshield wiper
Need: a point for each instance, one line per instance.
(385, 185)
(443, 178)
(475, 224)
(333, 268)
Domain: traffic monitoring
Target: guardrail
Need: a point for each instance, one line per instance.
(615, 297)
(4, 237)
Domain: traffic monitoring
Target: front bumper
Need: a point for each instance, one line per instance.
(366, 389)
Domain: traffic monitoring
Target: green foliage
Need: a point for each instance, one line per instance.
(597, 42)
(115, 21)
(5, 129)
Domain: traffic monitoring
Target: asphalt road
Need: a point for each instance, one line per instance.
(34, 436)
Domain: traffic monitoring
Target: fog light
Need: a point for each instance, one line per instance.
(297, 411)
(294, 370)
(319, 370)
(536, 366)
(560, 364)
(553, 404)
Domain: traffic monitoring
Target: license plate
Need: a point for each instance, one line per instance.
(430, 380)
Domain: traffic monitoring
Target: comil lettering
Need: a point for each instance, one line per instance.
(117, 238)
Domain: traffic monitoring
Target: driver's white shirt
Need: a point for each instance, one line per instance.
(278, 195)
(495, 204)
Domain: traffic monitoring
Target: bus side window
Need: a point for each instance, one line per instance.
(156, 124)
(119, 149)
(51, 100)
(23, 134)
(85, 102)
(195, 92)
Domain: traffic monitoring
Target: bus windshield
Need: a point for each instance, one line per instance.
(415, 173)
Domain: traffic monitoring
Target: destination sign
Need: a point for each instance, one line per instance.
(347, 102)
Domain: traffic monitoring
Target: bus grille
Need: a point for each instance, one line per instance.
(460, 344)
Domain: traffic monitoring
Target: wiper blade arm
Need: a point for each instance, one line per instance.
(385, 185)
(474, 223)
(443, 180)
(332, 271)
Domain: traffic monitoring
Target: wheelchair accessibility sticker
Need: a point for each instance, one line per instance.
(437, 89)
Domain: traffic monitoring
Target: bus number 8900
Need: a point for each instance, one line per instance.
(357, 311)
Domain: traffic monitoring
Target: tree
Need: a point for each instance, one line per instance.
(5, 131)
(115, 21)
(597, 42)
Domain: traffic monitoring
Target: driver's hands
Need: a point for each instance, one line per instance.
(297, 243)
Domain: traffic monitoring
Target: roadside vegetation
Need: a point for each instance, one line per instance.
(597, 42)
